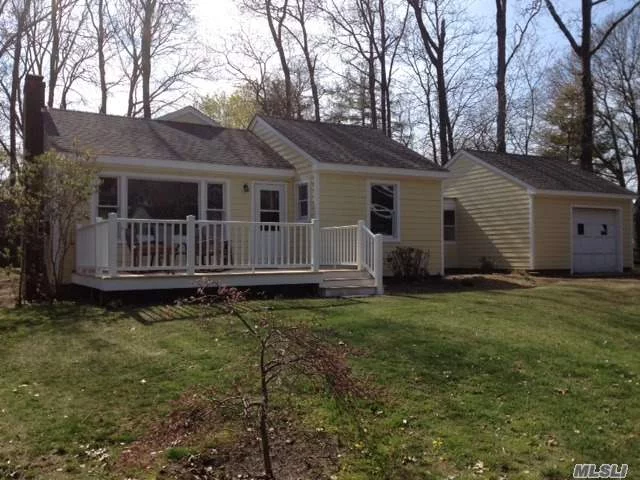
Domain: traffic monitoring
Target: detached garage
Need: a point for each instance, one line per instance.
(522, 212)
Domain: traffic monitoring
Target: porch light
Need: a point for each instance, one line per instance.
(245, 188)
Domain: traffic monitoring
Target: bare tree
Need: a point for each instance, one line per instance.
(617, 94)
(585, 50)
(21, 12)
(504, 60)
(150, 33)
(276, 16)
(354, 24)
(98, 16)
(434, 40)
(302, 11)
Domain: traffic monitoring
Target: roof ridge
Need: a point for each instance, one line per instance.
(321, 122)
(125, 117)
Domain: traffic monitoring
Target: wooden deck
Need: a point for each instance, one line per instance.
(235, 278)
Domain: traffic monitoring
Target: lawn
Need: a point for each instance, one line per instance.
(499, 383)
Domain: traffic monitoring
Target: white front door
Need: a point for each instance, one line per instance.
(595, 240)
(269, 206)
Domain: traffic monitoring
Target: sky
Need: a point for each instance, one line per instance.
(219, 18)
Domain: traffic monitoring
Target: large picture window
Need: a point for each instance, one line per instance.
(108, 198)
(162, 199)
(383, 209)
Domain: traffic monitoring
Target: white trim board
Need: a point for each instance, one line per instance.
(194, 167)
(233, 279)
(369, 170)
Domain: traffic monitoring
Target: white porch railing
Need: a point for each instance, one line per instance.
(339, 245)
(124, 245)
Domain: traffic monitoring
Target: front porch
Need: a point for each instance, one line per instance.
(123, 254)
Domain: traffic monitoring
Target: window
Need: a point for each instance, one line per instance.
(107, 196)
(303, 201)
(383, 209)
(215, 201)
(581, 229)
(162, 199)
(449, 225)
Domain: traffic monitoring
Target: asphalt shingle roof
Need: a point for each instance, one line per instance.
(350, 145)
(549, 173)
(156, 139)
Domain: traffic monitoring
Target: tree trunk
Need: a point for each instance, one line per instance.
(372, 87)
(310, 61)
(264, 412)
(276, 34)
(501, 73)
(101, 58)
(55, 52)
(586, 156)
(145, 55)
(382, 59)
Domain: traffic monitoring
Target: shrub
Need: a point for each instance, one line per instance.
(409, 263)
(486, 265)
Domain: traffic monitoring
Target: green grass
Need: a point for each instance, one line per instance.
(525, 381)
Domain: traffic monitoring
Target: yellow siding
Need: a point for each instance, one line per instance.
(301, 164)
(343, 201)
(492, 218)
(451, 255)
(553, 231)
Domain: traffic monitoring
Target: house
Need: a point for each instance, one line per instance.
(182, 200)
(522, 212)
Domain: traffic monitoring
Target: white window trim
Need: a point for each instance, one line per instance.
(203, 208)
(455, 226)
(396, 207)
(96, 197)
(301, 218)
(255, 184)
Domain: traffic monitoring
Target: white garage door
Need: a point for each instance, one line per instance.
(595, 240)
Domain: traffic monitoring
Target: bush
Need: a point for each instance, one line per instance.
(487, 265)
(409, 263)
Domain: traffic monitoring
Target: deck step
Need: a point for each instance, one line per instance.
(347, 282)
(345, 274)
(348, 291)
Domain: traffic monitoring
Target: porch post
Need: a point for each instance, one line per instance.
(315, 245)
(378, 262)
(191, 244)
(359, 252)
(112, 244)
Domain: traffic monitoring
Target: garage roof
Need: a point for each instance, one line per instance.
(549, 173)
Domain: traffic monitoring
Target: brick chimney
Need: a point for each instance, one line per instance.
(33, 124)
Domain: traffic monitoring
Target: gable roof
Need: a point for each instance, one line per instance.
(114, 136)
(548, 173)
(350, 145)
(189, 114)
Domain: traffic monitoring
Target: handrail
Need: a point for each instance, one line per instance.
(138, 245)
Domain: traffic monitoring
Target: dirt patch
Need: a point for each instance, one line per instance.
(503, 281)
(207, 438)
(452, 283)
